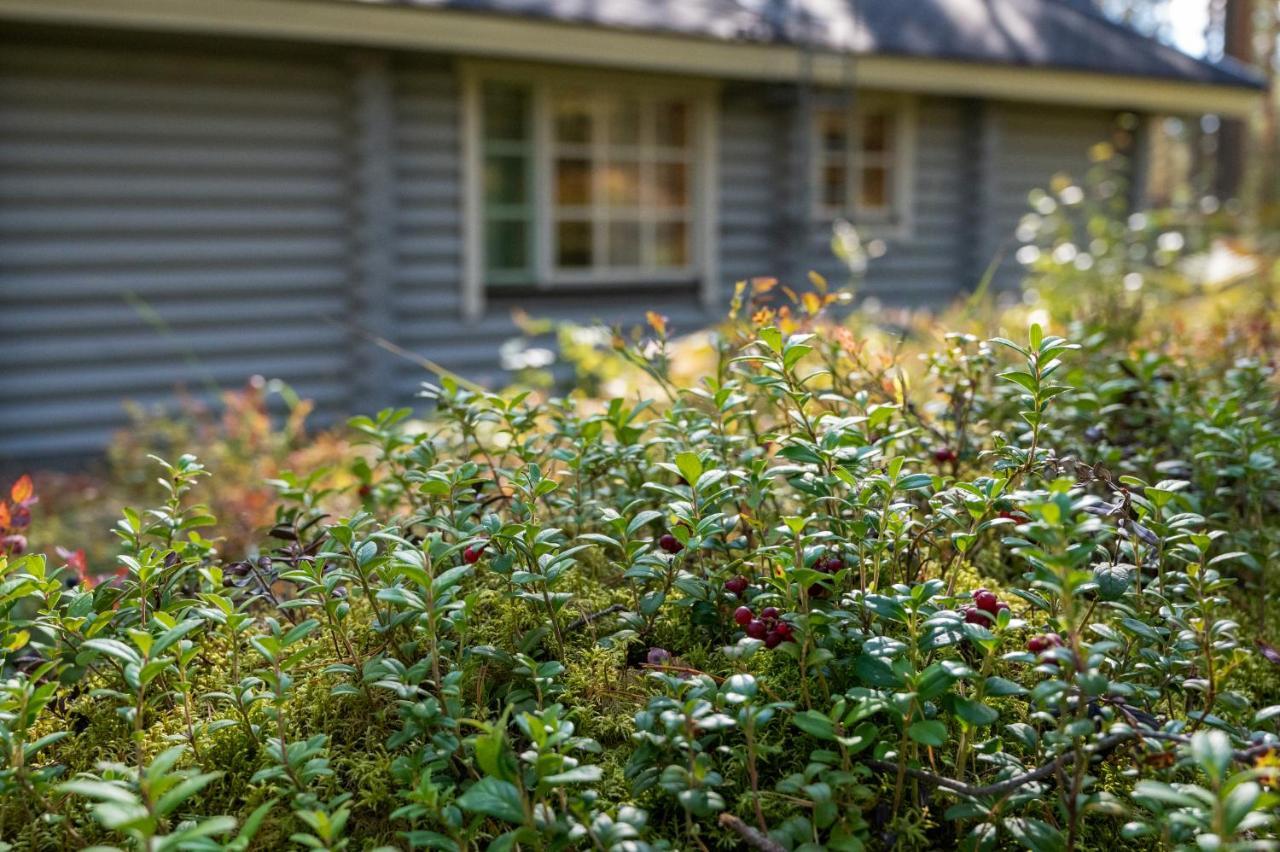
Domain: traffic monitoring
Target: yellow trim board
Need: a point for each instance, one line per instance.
(376, 24)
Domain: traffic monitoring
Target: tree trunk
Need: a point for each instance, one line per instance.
(1237, 43)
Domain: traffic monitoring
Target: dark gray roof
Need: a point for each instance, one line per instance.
(1064, 34)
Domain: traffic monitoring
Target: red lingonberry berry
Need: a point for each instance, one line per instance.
(1038, 644)
(743, 615)
(472, 554)
(944, 454)
(770, 613)
(736, 585)
(772, 639)
(783, 629)
(973, 615)
(987, 601)
(670, 543)
(756, 629)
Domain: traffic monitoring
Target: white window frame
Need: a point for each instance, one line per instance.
(702, 95)
(896, 221)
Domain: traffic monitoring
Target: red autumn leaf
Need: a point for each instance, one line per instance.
(22, 490)
(5, 518)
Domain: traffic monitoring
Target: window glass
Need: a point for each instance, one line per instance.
(671, 184)
(573, 244)
(875, 188)
(672, 244)
(573, 182)
(622, 183)
(506, 112)
(624, 243)
(505, 181)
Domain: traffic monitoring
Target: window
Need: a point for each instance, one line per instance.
(862, 161)
(586, 183)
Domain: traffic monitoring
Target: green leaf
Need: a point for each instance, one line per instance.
(998, 687)
(493, 797)
(815, 724)
(975, 712)
(1113, 581)
(690, 466)
(577, 775)
(929, 732)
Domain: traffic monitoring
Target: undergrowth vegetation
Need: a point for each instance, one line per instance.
(992, 591)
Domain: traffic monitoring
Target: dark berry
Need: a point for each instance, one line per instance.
(942, 455)
(770, 613)
(658, 656)
(473, 553)
(987, 601)
(773, 639)
(1043, 642)
(973, 615)
(743, 615)
(736, 585)
(783, 629)
(670, 543)
(756, 629)
(829, 564)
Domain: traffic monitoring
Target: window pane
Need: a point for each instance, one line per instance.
(834, 186)
(834, 133)
(505, 180)
(624, 121)
(622, 184)
(573, 244)
(507, 245)
(671, 184)
(672, 123)
(573, 120)
(672, 244)
(875, 188)
(506, 112)
(624, 243)
(573, 182)
(875, 132)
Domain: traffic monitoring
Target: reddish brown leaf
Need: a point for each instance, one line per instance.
(5, 518)
(22, 490)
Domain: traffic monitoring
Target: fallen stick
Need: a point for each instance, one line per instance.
(751, 837)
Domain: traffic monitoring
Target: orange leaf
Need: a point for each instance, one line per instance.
(22, 490)
(5, 518)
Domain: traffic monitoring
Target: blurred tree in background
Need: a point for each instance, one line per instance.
(1213, 160)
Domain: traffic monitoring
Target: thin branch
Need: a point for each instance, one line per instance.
(752, 838)
(587, 618)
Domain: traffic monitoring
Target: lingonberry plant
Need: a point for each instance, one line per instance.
(1013, 594)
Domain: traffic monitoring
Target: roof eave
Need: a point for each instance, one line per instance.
(465, 33)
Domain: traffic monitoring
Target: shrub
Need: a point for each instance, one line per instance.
(825, 597)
